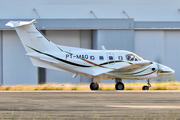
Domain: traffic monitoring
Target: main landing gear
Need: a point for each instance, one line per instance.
(119, 85)
(147, 87)
(94, 86)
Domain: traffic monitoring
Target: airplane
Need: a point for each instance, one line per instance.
(94, 64)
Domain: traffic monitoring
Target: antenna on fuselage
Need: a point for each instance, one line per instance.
(103, 48)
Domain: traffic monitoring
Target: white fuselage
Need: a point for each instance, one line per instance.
(105, 63)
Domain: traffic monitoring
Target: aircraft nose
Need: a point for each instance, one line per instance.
(164, 71)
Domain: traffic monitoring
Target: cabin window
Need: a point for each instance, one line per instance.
(120, 58)
(130, 57)
(110, 57)
(92, 57)
(101, 57)
(136, 59)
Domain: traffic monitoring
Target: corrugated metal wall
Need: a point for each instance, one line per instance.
(140, 10)
(114, 39)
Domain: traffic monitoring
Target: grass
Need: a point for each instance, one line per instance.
(128, 86)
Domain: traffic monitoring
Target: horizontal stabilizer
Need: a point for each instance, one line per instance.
(52, 61)
(45, 64)
(19, 23)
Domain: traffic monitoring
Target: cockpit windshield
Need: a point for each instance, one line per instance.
(139, 58)
(133, 57)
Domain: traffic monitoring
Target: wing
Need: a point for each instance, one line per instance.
(134, 66)
(97, 71)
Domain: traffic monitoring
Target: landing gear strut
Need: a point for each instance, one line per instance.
(94, 86)
(147, 87)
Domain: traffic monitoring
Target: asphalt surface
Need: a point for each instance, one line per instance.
(95, 105)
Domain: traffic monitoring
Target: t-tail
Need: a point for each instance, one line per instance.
(31, 37)
(33, 41)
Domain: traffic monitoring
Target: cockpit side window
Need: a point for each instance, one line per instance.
(130, 57)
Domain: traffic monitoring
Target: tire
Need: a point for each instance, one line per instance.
(94, 86)
(145, 88)
(119, 86)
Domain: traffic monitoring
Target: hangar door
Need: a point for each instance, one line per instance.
(149, 45)
(159, 46)
(17, 67)
(74, 38)
(172, 50)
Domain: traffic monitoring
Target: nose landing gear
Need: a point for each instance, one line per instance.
(147, 87)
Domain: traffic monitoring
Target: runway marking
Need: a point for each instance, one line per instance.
(132, 106)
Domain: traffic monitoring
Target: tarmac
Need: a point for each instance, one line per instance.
(92, 105)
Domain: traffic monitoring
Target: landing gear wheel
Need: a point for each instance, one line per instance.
(94, 86)
(145, 87)
(119, 86)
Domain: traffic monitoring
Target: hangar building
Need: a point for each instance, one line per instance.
(150, 29)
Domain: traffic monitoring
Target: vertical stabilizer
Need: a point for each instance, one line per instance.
(31, 37)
